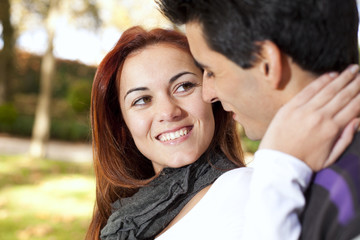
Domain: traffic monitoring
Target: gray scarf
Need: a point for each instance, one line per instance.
(151, 209)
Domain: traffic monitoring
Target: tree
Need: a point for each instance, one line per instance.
(50, 11)
(7, 53)
(41, 128)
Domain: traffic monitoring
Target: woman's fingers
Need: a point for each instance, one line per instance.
(351, 110)
(324, 88)
(343, 141)
(336, 89)
(308, 126)
(311, 90)
(346, 98)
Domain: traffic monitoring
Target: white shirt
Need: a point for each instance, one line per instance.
(276, 196)
(259, 202)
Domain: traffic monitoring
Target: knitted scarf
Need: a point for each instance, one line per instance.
(151, 209)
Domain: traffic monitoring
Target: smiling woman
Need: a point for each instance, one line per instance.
(157, 145)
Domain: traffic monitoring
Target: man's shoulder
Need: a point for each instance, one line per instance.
(342, 179)
(345, 172)
(333, 198)
(346, 168)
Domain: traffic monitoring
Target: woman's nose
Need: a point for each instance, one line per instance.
(168, 110)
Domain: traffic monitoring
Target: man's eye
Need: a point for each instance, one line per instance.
(208, 74)
(186, 86)
(141, 101)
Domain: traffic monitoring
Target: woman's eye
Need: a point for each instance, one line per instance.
(186, 86)
(141, 101)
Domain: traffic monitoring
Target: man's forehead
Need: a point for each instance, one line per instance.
(193, 29)
(197, 42)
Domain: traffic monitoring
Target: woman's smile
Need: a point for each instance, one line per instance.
(175, 136)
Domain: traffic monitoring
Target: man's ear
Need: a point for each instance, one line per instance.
(270, 64)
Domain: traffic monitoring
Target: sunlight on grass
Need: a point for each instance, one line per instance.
(44, 199)
(64, 192)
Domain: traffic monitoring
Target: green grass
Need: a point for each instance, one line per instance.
(44, 199)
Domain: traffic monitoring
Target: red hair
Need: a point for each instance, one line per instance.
(120, 168)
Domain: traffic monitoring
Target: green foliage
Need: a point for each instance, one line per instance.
(62, 129)
(249, 145)
(8, 114)
(27, 75)
(79, 96)
(68, 73)
(70, 102)
(69, 130)
(22, 126)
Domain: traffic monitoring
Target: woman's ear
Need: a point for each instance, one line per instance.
(270, 63)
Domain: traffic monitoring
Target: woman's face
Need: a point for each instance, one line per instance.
(161, 103)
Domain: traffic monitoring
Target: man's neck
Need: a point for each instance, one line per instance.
(299, 79)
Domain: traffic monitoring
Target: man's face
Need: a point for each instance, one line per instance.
(241, 91)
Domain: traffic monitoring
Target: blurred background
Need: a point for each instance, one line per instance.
(49, 51)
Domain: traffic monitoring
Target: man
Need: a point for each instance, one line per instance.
(256, 56)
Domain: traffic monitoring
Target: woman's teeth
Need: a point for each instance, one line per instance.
(173, 135)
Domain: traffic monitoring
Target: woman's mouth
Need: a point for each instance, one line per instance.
(168, 136)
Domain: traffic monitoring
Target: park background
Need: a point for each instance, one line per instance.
(49, 51)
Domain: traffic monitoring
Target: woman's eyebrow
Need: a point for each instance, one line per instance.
(174, 78)
(135, 89)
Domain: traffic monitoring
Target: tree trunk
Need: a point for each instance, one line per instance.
(41, 128)
(7, 53)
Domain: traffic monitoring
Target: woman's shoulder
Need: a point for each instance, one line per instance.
(231, 183)
(220, 213)
(235, 177)
(242, 173)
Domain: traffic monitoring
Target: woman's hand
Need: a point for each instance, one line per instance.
(318, 124)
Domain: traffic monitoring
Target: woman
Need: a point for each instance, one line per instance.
(158, 148)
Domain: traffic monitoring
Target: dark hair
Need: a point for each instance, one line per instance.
(120, 168)
(319, 35)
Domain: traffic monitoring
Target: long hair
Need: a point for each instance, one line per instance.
(120, 168)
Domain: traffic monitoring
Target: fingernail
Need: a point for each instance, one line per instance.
(333, 74)
(354, 68)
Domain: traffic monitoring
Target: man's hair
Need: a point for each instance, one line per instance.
(319, 35)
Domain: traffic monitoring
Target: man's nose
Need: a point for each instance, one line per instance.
(208, 90)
